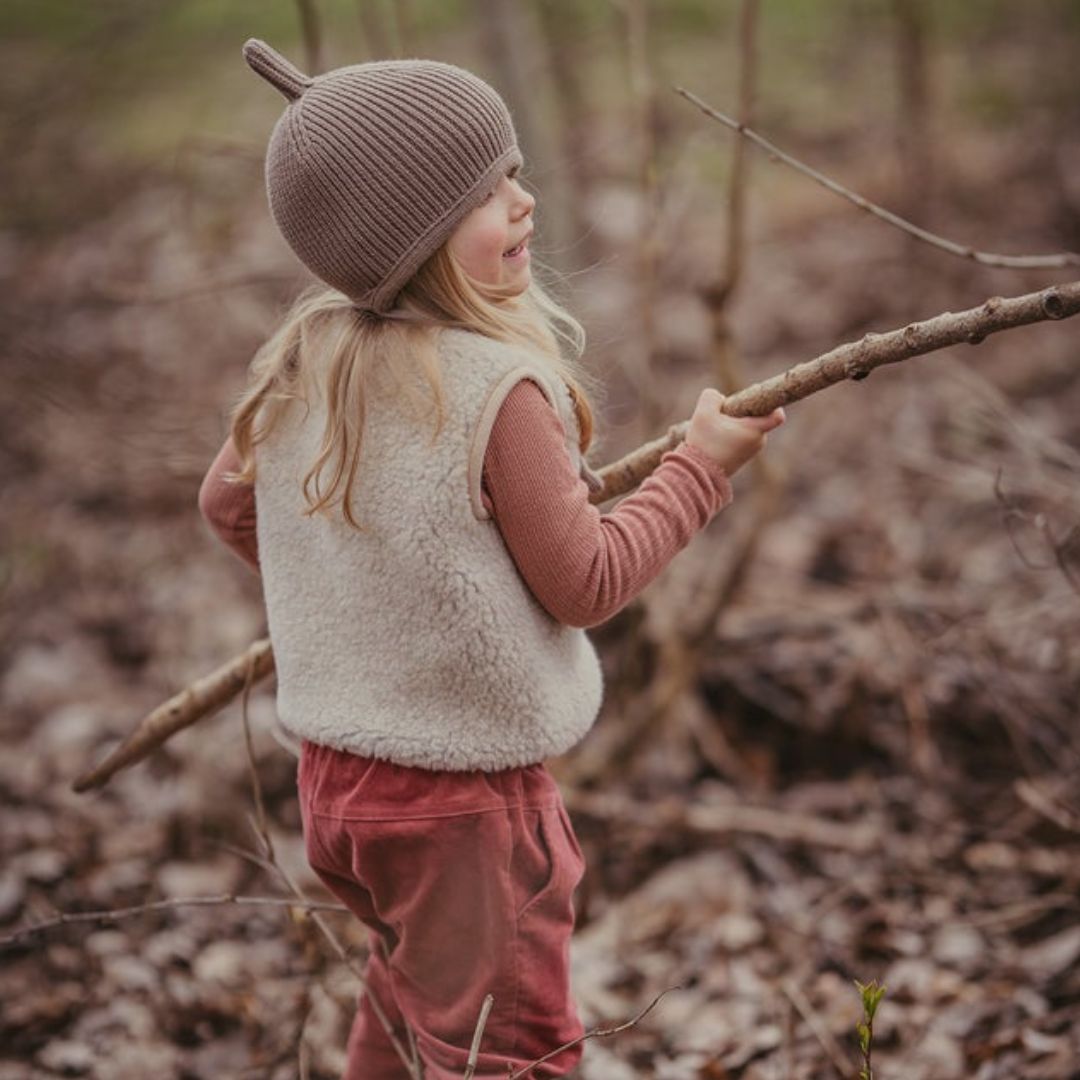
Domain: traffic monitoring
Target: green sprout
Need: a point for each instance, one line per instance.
(871, 994)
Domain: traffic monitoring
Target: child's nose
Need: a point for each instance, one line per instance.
(525, 201)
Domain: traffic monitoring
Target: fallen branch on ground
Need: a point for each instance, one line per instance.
(594, 1033)
(853, 360)
(737, 818)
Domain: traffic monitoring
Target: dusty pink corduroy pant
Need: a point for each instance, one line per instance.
(465, 881)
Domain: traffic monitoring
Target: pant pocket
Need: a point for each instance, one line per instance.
(550, 865)
(572, 842)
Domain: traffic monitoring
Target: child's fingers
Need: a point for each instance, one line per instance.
(775, 418)
(766, 423)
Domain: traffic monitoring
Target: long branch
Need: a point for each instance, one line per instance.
(201, 698)
(987, 258)
(853, 360)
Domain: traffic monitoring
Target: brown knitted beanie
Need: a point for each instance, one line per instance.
(371, 167)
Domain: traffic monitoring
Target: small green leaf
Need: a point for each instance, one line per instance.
(871, 994)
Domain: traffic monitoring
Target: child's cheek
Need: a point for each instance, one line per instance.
(491, 240)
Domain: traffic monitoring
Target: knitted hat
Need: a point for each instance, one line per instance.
(371, 167)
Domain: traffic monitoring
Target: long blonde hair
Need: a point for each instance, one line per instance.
(327, 346)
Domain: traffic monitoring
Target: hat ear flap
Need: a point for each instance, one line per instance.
(275, 69)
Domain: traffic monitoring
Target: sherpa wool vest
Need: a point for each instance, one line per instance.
(417, 641)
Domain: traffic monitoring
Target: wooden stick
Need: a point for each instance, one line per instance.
(478, 1035)
(853, 360)
(200, 699)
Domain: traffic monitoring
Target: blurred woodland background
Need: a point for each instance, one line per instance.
(839, 737)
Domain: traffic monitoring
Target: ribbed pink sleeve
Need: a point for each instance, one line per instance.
(229, 509)
(581, 565)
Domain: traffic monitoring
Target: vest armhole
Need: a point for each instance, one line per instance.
(486, 421)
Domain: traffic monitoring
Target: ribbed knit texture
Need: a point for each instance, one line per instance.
(371, 167)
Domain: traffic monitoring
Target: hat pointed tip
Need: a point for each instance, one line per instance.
(275, 69)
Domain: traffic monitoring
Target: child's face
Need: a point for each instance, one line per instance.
(494, 227)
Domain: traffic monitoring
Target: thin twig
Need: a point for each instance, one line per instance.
(113, 914)
(1042, 802)
(1060, 549)
(595, 1033)
(1024, 262)
(478, 1035)
(835, 1054)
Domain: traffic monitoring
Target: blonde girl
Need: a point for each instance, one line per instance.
(406, 470)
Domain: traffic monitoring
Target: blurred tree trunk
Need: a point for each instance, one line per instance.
(389, 29)
(514, 48)
(311, 31)
(914, 141)
(564, 27)
(643, 95)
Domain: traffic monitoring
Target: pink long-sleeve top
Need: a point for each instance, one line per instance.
(581, 565)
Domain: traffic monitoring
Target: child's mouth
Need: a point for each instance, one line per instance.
(514, 252)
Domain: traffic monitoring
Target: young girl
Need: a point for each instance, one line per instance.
(406, 471)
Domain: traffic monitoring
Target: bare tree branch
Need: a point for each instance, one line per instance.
(594, 1033)
(478, 1035)
(1026, 262)
(853, 360)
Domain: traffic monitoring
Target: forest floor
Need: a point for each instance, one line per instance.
(872, 776)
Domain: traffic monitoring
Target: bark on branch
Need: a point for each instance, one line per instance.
(853, 360)
(201, 698)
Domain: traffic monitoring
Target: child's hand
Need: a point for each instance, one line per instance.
(733, 441)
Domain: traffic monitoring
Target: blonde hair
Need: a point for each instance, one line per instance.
(326, 346)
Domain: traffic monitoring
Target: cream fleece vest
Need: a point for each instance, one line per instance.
(418, 641)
